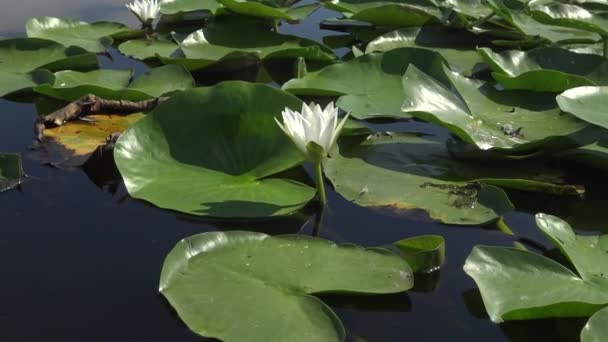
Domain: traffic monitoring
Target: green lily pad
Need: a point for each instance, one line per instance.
(423, 253)
(11, 82)
(596, 329)
(492, 119)
(546, 69)
(169, 7)
(403, 172)
(11, 171)
(370, 85)
(587, 103)
(234, 287)
(115, 84)
(457, 47)
(213, 152)
(571, 16)
(269, 9)
(225, 39)
(518, 284)
(22, 55)
(471, 8)
(400, 172)
(145, 49)
(388, 13)
(93, 37)
(525, 24)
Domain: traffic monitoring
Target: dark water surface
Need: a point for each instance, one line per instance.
(82, 263)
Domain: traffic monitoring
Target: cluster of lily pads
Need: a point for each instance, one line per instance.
(505, 90)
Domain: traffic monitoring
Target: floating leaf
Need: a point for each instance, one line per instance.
(11, 82)
(144, 49)
(587, 103)
(457, 47)
(224, 38)
(238, 285)
(72, 143)
(596, 329)
(471, 8)
(525, 24)
(169, 7)
(423, 253)
(23, 55)
(388, 13)
(518, 284)
(114, 84)
(93, 37)
(402, 172)
(213, 152)
(11, 171)
(571, 16)
(492, 119)
(546, 69)
(370, 85)
(269, 9)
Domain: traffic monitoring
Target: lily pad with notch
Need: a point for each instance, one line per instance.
(388, 13)
(170, 7)
(22, 55)
(215, 152)
(117, 85)
(93, 37)
(232, 286)
(12, 83)
(526, 24)
(571, 16)
(457, 47)
(517, 284)
(400, 172)
(270, 9)
(549, 69)
(513, 121)
(225, 39)
(369, 86)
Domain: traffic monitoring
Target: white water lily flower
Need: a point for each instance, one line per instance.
(145, 10)
(313, 124)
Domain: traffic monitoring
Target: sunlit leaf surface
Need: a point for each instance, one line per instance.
(215, 152)
(245, 286)
(518, 284)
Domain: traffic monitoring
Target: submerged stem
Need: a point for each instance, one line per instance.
(316, 229)
(320, 185)
(276, 25)
(605, 41)
(503, 227)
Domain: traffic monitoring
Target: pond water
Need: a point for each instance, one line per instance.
(81, 262)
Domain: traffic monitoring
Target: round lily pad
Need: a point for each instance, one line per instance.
(245, 286)
(215, 152)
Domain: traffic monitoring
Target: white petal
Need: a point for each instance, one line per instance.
(337, 131)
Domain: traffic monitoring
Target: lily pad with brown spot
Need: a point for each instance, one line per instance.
(71, 144)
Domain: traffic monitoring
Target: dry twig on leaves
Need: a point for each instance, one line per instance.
(91, 104)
